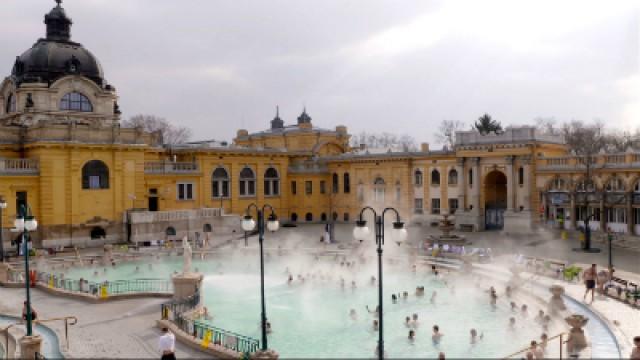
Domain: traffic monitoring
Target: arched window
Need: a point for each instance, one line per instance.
(615, 184)
(335, 216)
(520, 175)
(378, 189)
(271, 182)
(98, 233)
(207, 228)
(417, 178)
(435, 177)
(585, 186)
(220, 183)
(74, 101)
(10, 106)
(308, 217)
(334, 184)
(323, 217)
(247, 182)
(294, 217)
(558, 184)
(170, 231)
(95, 175)
(345, 217)
(453, 177)
(346, 183)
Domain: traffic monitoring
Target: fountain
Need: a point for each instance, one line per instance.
(446, 238)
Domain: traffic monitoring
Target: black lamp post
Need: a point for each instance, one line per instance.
(248, 224)
(24, 223)
(3, 205)
(399, 235)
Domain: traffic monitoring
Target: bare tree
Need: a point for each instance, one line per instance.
(446, 134)
(171, 134)
(384, 140)
(547, 126)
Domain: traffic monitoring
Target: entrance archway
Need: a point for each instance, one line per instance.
(495, 199)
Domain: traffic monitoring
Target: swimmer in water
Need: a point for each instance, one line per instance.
(507, 291)
(105, 270)
(269, 328)
(523, 311)
(137, 268)
(540, 317)
(412, 335)
(375, 325)
(407, 322)
(375, 312)
(414, 268)
(512, 323)
(95, 273)
(433, 297)
(494, 296)
(437, 335)
(394, 299)
(405, 295)
(290, 280)
(353, 314)
(474, 336)
(373, 280)
(353, 284)
(514, 307)
(415, 321)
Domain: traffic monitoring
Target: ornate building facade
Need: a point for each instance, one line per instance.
(90, 181)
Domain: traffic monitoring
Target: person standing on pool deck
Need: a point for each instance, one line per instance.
(635, 353)
(167, 345)
(589, 276)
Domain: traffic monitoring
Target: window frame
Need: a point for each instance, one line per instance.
(435, 177)
(99, 169)
(75, 101)
(271, 183)
(220, 183)
(188, 191)
(247, 183)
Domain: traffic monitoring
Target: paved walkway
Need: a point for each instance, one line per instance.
(119, 329)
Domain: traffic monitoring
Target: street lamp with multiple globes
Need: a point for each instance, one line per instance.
(398, 235)
(26, 222)
(248, 224)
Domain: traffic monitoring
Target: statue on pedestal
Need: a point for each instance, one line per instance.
(556, 303)
(577, 340)
(187, 256)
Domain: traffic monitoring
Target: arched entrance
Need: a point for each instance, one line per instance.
(495, 200)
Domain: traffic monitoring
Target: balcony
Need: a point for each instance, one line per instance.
(19, 167)
(170, 167)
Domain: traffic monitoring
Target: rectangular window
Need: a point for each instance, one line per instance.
(435, 206)
(185, 191)
(520, 176)
(294, 188)
(616, 215)
(94, 182)
(470, 177)
(417, 206)
(636, 216)
(453, 205)
(323, 187)
(308, 187)
(346, 183)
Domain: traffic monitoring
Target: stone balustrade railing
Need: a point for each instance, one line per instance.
(19, 167)
(139, 217)
(170, 167)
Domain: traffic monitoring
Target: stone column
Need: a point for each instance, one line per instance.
(572, 211)
(629, 210)
(475, 189)
(603, 216)
(444, 187)
(29, 346)
(462, 185)
(510, 183)
(526, 169)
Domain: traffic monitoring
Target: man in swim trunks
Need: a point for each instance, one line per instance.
(589, 277)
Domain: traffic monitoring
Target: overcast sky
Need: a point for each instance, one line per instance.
(397, 66)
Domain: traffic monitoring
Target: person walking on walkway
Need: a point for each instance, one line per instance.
(589, 277)
(167, 345)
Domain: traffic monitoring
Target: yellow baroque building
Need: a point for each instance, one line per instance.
(88, 181)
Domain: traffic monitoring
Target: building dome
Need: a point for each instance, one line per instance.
(56, 55)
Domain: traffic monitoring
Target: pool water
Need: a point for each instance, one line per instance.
(311, 319)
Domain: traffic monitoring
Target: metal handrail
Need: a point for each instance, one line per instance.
(528, 347)
(66, 325)
(111, 287)
(6, 342)
(205, 332)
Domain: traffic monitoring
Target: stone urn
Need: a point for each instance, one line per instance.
(577, 340)
(556, 303)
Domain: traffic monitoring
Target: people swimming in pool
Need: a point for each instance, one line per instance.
(436, 336)
(375, 312)
(412, 335)
(474, 336)
(433, 297)
(353, 315)
(394, 299)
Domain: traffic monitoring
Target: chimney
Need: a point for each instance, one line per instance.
(424, 147)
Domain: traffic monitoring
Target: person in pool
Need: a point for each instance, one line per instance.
(375, 312)
(289, 280)
(415, 320)
(373, 280)
(512, 323)
(507, 291)
(407, 322)
(514, 307)
(540, 317)
(523, 311)
(433, 297)
(437, 335)
(394, 299)
(353, 314)
(474, 336)
(375, 326)
(353, 284)
(412, 335)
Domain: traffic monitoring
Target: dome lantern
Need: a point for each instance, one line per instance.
(58, 24)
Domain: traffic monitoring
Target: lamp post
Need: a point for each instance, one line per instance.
(248, 224)
(399, 234)
(3, 205)
(25, 222)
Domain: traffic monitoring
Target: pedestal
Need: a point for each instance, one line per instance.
(517, 222)
(265, 355)
(185, 285)
(29, 346)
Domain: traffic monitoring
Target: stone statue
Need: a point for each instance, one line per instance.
(577, 340)
(556, 303)
(187, 255)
